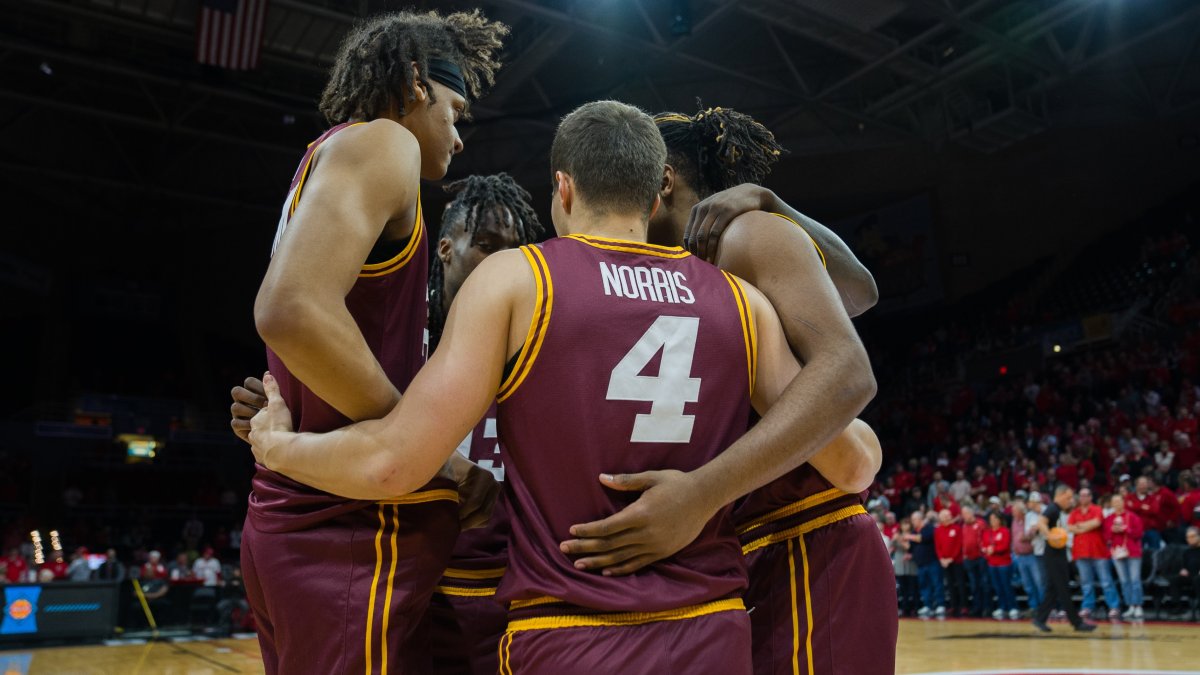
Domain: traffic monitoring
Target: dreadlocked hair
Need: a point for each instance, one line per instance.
(374, 62)
(718, 148)
(474, 198)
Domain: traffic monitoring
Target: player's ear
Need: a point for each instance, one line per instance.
(658, 201)
(668, 182)
(564, 190)
(444, 249)
(419, 91)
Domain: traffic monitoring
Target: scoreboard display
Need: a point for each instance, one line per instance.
(61, 609)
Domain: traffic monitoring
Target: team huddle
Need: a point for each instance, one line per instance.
(631, 448)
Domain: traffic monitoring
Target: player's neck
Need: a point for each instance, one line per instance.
(631, 227)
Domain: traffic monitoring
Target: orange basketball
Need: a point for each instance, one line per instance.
(1057, 538)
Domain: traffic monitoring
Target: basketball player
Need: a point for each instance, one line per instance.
(488, 214)
(814, 553)
(340, 585)
(546, 330)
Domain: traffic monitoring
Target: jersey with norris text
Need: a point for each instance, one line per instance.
(639, 357)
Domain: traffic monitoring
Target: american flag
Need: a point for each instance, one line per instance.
(230, 33)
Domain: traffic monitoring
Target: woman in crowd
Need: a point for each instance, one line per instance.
(997, 547)
(906, 570)
(1123, 534)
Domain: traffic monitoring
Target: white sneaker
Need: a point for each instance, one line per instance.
(924, 611)
(1137, 613)
(1014, 614)
(1085, 613)
(1128, 614)
(941, 611)
(998, 615)
(1114, 614)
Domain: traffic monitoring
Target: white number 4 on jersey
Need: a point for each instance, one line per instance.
(669, 390)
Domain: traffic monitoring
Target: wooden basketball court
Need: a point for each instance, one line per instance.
(991, 647)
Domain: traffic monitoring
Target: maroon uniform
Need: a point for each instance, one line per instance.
(816, 560)
(340, 585)
(639, 357)
(466, 621)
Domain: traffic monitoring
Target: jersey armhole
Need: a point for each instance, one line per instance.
(749, 330)
(538, 324)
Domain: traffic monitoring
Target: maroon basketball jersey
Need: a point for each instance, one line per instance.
(484, 548)
(388, 302)
(639, 357)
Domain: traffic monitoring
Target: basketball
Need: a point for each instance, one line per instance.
(1057, 538)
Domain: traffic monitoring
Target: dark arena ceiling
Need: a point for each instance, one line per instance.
(106, 96)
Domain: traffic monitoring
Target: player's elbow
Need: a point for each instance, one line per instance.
(862, 294)
(280, 316)
(394, 477)
(858, 380)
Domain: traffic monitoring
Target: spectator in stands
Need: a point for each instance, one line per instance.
(1187, 582)
(233, 608)
(1037, 538)
(153, 568)
(1091, 556)
(960, 489)
(78, 570)
(112, 569)
(1164, 458)
(16, 568)
(997, 546)
(974, 562)
(180, 569)
(1168, 512)
(1028, 568)
(942, 499)
(908, 594)
(207, 568)
(1189, 499)
(929, 572)
(1123, 534)
(948, 543)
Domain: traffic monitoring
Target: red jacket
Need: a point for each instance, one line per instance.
(972, 539)
(1168, 507)
(15, 569)
(1189, 508)
(998, 541)
(1131, 538)
(947, 541)
(1089, 545)
(1147, 508)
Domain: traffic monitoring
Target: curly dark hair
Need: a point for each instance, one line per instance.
(373, 65)
(718, 148)
(474, 197)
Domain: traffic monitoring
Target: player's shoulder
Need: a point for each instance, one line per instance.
(758, 241)
(380, 141)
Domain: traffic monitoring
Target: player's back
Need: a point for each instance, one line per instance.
(639, 358)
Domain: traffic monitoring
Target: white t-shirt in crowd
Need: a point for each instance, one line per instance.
(207, 570)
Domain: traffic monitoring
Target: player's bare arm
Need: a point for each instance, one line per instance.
(362, 180)
(711, 217)
(813, 408)
(383, 458)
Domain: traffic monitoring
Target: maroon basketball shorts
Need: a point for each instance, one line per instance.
(823, 601)
(348, 595)
(466, 623)
(708, 639)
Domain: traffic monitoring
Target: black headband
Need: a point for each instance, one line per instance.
(449, 74)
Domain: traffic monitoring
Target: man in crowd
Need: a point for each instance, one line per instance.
(948, 542)
(1188, 580)
(929, 572)
(1146, 502)
(207, 568)
(1091, 556)
(975, 563)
